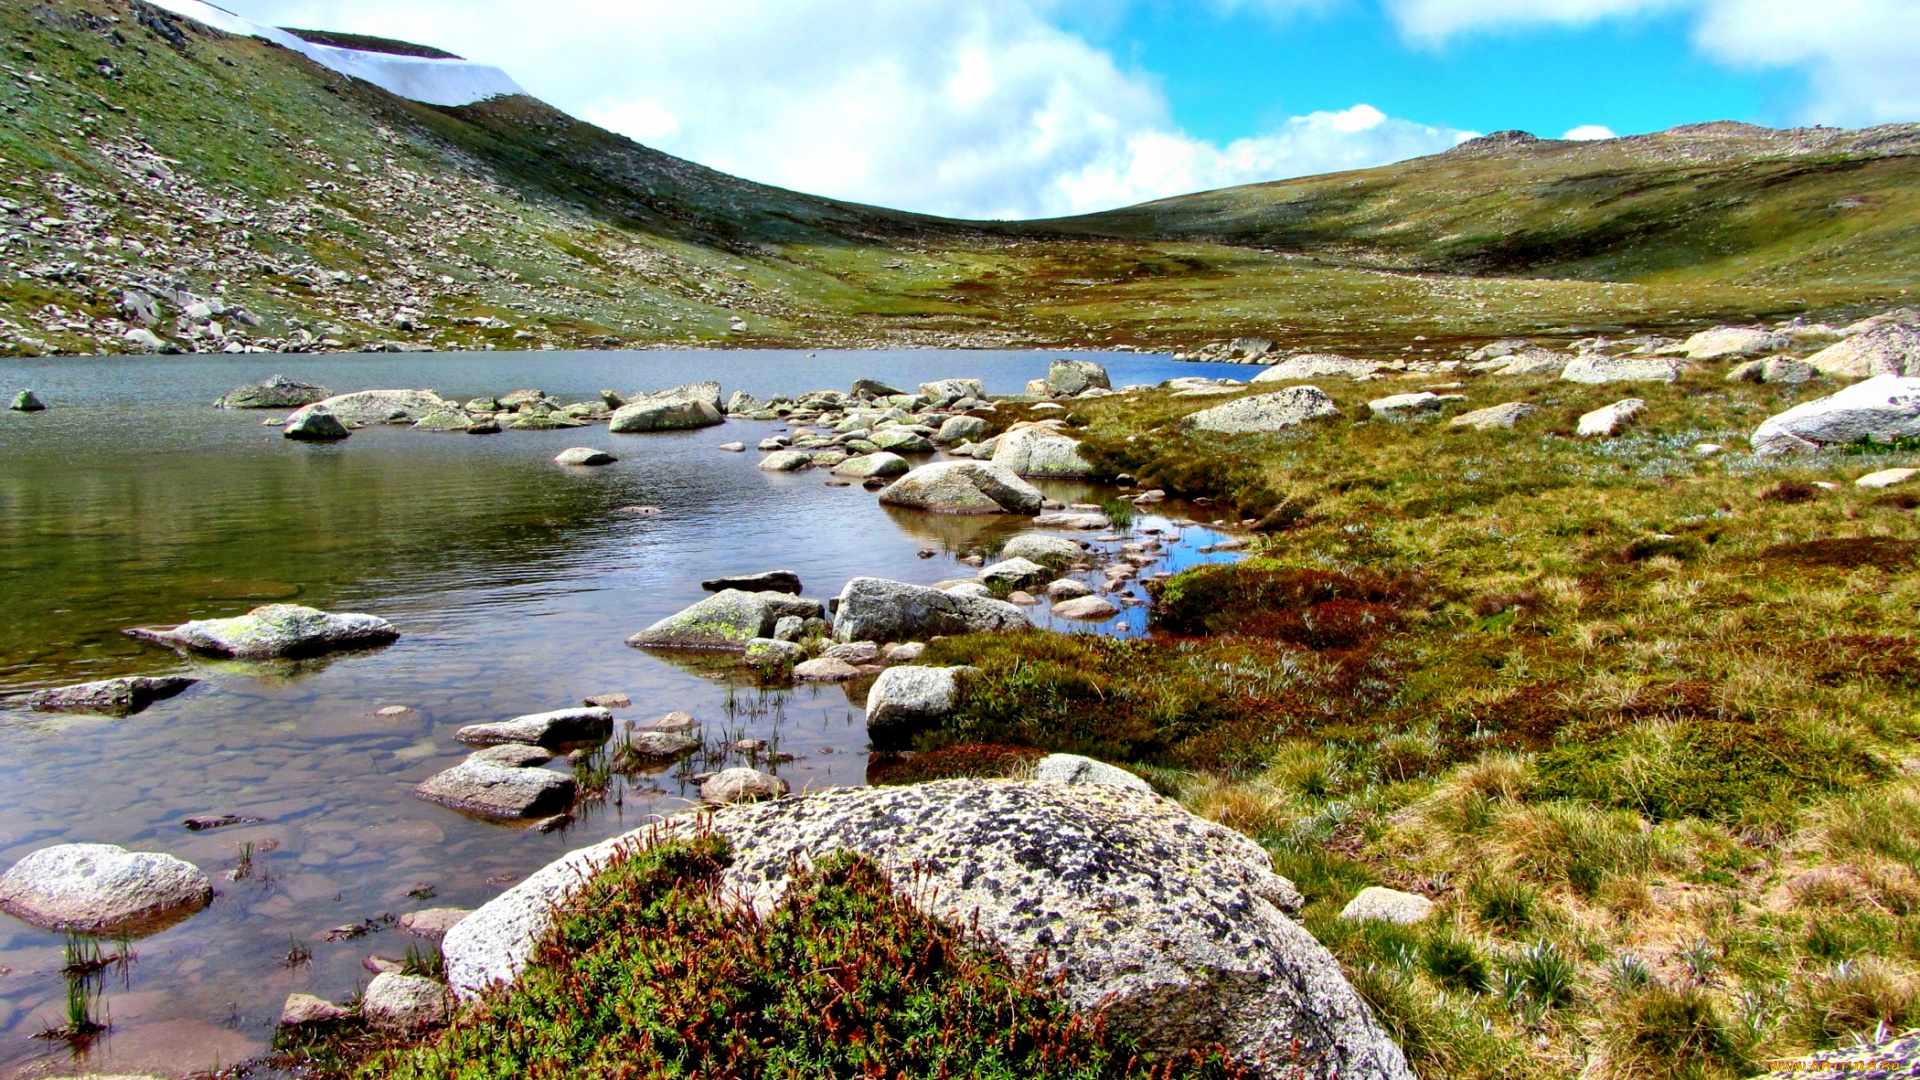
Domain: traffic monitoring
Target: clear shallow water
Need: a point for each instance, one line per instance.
(513, 580)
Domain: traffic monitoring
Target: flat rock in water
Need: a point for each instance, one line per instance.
(608, 701)
(303, 1009)
(1080, 521)
(315, 425)
(584, 455)
(742, 785)
(1289, 408)
(659, 745)
(902, 441)
(512, 755)
(1069, 589)
(1085, 609)
(102, 889)
(874, 609)
(1177, 925)
(1014, 572)
(275, 630)
(1074, 769)
(1885, 408)
(499, 791)
(964, 487)
(877, 464)
(433, 923)
(379, 407)
(278, 392)
(557, 728)
(1043, 549)
(1041, 453)
(1612, 420)
(1497, 416)
(825, 669)
(676, 414)
(1892, 349)
(1597, 368)
(726, 621)
(778, 581)
(110, 697)
(786, 461)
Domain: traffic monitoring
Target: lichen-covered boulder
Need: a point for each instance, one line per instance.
(1289, 408)
(275, 630)
(364, 407)
(1495, 416)
(960, 429)
(278, 392)
(964, 487)
(102, 889)
(874, 609)
(1722, 342)
(673, 414)
(947, 391)
(1178, 926)
(1884, 408)
(1891, 349)
(1041, 453)
(726, 621)
(1597, 368)
(1069, 377)
(1046, 550)
(110, 697)
(868, 466)
(1316, 366)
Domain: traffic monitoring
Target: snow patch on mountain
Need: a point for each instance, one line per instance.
(430, 82)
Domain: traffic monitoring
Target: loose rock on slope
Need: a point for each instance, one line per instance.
(1176, 924)
(1266, 412)
(1884, 408)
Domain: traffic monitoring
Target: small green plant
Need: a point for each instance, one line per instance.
(593, 772)
(1701, 958)
(299, 954)
(423, 961)
(1503, 902)
(1629, 973)
(1537, 978)
(1454, 961)
(1118, 511)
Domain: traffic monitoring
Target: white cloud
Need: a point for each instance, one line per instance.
(1590, 133)
(975, 108)
(1861, 57)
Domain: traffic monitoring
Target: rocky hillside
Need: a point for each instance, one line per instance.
(201, 191)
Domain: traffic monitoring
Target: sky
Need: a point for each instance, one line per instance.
(1038, 108)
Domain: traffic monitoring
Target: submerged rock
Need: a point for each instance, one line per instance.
(275, 630)
(110, 697)
(964, 487)
(433, 923)
(315, 425)
(492, 789)
(779, 581)
(27, 401)
(278, 392)
(1884, 408)
(549, 729)
(102, 889)
(727, 621)
(1289, 408)
(1177, 925)
(874, 609)
(585, 456)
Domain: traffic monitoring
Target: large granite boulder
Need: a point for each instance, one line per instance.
(1892, 349)
(1068, 377)
(1316, 366)
(947, 391)
(705, 392)
(278, 392)
(110, 697)
(960, 429)
(874, 609)
(1041, 453)
(1178, 926)
(964, 487)
(1595, 369)
(726, 621)
(1884, 408)
(673, 414)
(364, 407)
(102, 889)
(1289, 408)
(274, 630)
(1723, 342)
(486, 785)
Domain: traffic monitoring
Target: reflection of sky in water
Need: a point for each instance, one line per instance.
(515, 582)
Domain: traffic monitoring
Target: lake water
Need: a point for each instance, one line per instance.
(514, 581)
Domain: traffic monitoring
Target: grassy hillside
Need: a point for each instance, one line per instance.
(139, 150)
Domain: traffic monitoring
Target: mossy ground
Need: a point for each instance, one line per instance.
(1643, 726)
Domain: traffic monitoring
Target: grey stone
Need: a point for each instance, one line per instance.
(1595, 369)
(825, 669)
(866, 466)
(433, 923)
(304, 1009)
(742, 785)
(905, 701)
(1497, 350)
(1177, 925)
(102, 889)
(1401, 406)
(1528, 362)
(1266, 412)
(741, 403)
(659, 745)
(1376, 904)
(499, 791)
(143, 338)
(1883, 408)
(786, 461)
(315, 424)
(726, 621)
(902, 441)
(278, 392)
(548, 729)
(734, 447)
(1014, 572)
(674, 414)
(945, 391)
(1086, 608)
(447, 420)
(960, 429)
(1890, 349)
(1497, 416)
(964, 487)
(512, 755)
(1723, 342)
(789, 628)
(1069, 589)
(855, 652)
(1316, 366)
(875, 388)
(1069, 377)
(1041, 452)
(584, 456)
(1080, 521)
(1055, 551)
(1074, 769)
(777, 581)
(1612, 420)
(275, 630)
(110, 697)
(775, 652)
(396, 1002)
(365, 407)
(873, 609)
(907, 652)
(1777, 369)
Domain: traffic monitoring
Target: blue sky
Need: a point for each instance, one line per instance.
(1026, 108)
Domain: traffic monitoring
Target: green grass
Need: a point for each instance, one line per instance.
(648, 974)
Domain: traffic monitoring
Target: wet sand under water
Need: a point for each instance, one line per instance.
(514, 582)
